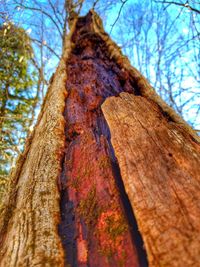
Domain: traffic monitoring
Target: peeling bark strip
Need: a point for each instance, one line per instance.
(159, 163)
(95, 228)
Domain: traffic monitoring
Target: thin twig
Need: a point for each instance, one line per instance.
(94, 4)
(123, 3)
(43, 12)
(179, 4)
(48, 47)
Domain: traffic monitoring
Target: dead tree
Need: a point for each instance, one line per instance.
(107, 157)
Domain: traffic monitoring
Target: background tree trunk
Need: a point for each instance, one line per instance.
(67, 202)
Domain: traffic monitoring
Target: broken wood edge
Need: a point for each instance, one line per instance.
(107, 109)
(146, 90)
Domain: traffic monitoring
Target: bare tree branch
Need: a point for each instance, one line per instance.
(120, 10)
(45, 13)
(179, 4)
(48, 47)
(55, 13)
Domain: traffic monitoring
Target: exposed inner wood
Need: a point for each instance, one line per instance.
(160, 167)
(97, 223)
(141, 83)
(158, 157)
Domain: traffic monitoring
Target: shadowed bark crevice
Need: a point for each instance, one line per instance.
(136, 235)
(66, 228)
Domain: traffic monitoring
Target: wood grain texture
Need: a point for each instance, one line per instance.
(30, 214)
(31, 237)
(160, 167)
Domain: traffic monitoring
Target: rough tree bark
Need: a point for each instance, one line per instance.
(70, 203)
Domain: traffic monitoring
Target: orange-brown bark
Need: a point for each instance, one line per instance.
(160, 166)
(95, 227)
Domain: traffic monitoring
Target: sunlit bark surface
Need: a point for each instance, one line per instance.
(31, 212)
(160, 167)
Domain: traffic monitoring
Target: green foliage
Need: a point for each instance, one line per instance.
(16, 94)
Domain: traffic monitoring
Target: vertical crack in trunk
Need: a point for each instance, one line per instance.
(136, 236)
(67, 227)
(97, 226)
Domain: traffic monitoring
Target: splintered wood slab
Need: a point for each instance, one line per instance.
(160, 167)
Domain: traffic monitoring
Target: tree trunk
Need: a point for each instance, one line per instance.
(160, 171)
(70, 203)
